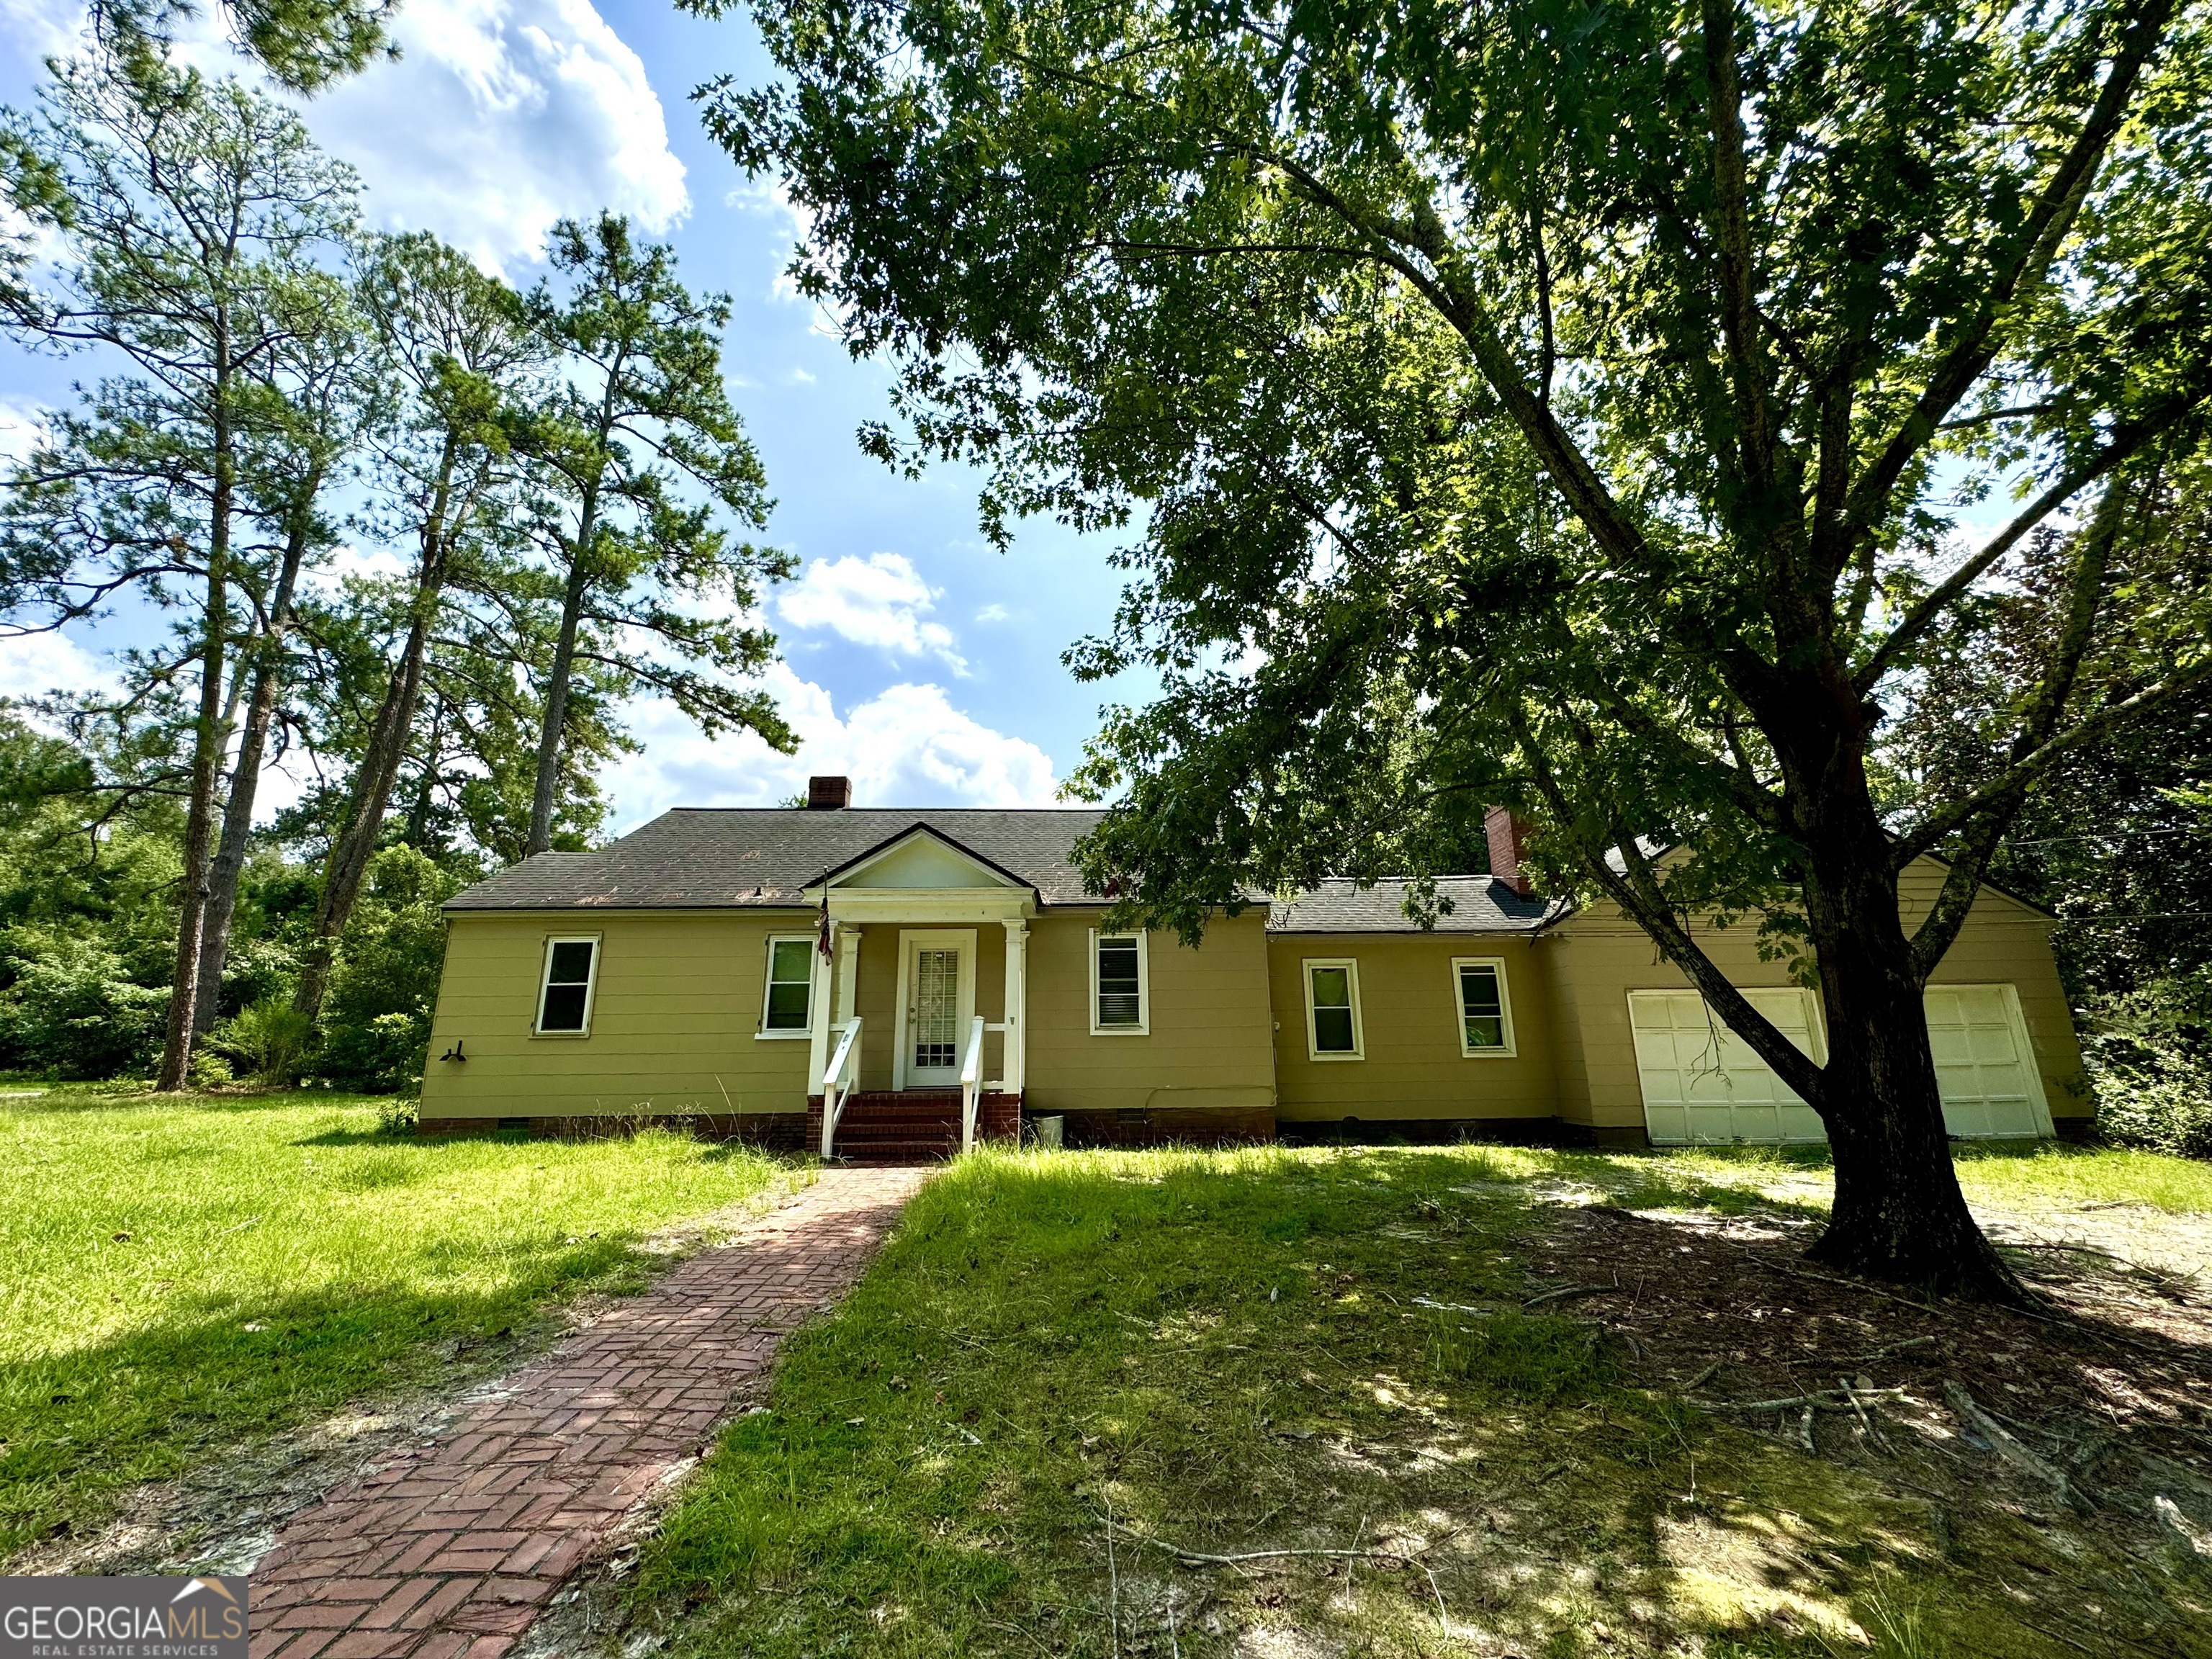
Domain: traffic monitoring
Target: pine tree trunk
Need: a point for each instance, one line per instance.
(372, 795)
(245, 785)
(556, 686)
(207, 759)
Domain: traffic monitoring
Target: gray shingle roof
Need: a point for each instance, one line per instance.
(762, 858)
(739, 858)
(1481, 904)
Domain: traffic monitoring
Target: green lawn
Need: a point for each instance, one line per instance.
(1229, 1351)
(180, 1276)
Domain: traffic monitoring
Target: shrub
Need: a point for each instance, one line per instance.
(384, 1054)
(2153, 1097)
(376, 1024)
(396, 1117)
(270, 1039)
(2149, 1059)
(74, 1011)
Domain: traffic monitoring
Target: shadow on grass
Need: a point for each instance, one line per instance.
(1249, 1350)
(77, 1428)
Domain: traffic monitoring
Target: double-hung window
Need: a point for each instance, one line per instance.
(787, 1005)
(564, 992)
(1484, 1005)
(1332, 1027)
(1120, 985)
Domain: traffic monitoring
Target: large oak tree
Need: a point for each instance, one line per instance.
(1590, 408)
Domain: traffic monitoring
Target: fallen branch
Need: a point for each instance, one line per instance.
(2008, 1446)
(1431, 1304)
(1884, 1352)
(1702, 1377)
(1832, 1279)
(1202, 1558)
(1826, 1399)
(1571, 1290)
(1866, 1422)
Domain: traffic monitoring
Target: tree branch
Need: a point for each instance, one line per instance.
(2036, 245)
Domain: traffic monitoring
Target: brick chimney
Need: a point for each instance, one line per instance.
(835, 794)
(1508, 831)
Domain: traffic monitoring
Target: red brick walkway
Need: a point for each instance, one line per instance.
(452, 1547)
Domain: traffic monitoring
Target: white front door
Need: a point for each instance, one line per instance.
(937, 1001)
(1702, 1082)
(1983, 1061)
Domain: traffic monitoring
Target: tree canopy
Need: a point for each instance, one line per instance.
(1596, 410)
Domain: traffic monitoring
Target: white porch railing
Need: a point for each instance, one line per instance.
(971, 1085)
(838, 1079)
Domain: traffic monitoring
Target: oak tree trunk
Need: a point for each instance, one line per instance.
(1899, 1213)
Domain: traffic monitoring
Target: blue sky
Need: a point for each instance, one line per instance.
(918, 659)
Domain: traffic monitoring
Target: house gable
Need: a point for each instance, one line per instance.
(921, 858)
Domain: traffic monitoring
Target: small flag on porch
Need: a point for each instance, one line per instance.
(822, 937)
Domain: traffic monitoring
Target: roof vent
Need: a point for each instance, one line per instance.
(828, 794)
(1508, 831)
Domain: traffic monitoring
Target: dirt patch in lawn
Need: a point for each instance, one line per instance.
(2067, 1454)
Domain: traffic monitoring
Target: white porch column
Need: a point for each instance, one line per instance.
(817, 1005)
(849, 972)
(1017, 1006)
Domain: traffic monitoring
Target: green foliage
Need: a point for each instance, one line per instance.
(270, 1039)
(73, 1011)
(642, 465)
(376, 1021)
(2150, 1057)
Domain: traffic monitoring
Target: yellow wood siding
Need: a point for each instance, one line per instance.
(1208, 1045)
(673, 1018)
(1599, 955)
(1409, 1012)
(877, 1003)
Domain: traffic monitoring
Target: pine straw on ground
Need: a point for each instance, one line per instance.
(2101, 1402)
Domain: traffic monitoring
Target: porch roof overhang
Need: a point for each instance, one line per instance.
(922, 874)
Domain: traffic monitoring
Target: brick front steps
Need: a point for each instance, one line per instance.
(914, 1126)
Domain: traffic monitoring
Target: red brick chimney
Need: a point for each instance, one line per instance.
(835, 794)
(1508, 831)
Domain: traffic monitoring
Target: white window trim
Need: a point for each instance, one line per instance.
(1508, 1050)
(1144, 1026)
(804, 1033)
(1359, 1027)
(545, 975)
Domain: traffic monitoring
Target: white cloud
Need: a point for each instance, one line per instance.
(880, 601)
(993, 613)
(908, 746)
(21, 426)
(32, 665)
(38, 29)
(501, 116)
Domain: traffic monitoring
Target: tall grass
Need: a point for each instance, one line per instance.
(178, 1277)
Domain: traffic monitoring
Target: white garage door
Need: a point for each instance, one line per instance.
(1702, 1082)
(1984, 1062)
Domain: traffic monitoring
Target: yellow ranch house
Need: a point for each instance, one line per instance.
(893, 983)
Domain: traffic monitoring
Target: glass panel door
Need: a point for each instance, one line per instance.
(936, 1028)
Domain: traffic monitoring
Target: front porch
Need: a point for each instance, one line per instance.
(916, 1039)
